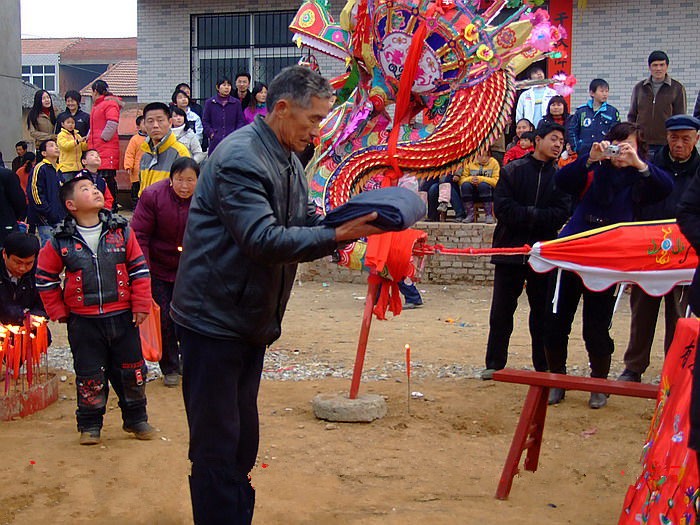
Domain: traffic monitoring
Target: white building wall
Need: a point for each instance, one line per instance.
(10, 79)
(164, 41)
(612, 39)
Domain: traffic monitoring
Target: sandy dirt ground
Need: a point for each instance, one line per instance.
(440, 463)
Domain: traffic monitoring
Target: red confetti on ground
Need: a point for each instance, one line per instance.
(622, 473)
(32, 462)
(264, 465)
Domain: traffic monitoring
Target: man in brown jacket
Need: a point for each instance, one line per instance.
(654, 100)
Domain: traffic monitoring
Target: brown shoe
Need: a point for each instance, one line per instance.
(141, 430)
(90, 437)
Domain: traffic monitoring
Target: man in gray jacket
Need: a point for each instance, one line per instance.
(249, 225)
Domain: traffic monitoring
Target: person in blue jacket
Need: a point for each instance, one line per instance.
(594, 120)
(611, 184)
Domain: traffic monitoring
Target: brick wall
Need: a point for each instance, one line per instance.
(164, 40)
(613, 38)
(440, 269)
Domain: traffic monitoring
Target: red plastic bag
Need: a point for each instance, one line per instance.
(151, 339)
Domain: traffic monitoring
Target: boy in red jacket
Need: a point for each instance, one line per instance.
(105, 297)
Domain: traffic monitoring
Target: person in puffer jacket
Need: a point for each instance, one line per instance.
(104, 122)
(106, 295)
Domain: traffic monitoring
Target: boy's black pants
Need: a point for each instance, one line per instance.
(220, 385)
(107, 350)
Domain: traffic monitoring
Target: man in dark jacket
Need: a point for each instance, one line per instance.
(681, 160)
(529, 209)
(13, 205)
(21, 148)
(249, 225)
(656, 99)
(18, 293)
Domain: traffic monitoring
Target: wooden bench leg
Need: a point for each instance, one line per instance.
(528, 435)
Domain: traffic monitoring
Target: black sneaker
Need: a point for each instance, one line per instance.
(556, 396)
(90, 437)
(629, 375)
(141, 430)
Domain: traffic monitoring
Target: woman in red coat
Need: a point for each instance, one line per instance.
(103, 137)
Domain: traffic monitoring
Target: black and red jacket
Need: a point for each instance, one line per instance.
(114, 279)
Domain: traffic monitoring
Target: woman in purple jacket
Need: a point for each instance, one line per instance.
(159, 223)
(223, 114)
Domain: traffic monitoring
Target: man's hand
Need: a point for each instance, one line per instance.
(475, 181)
(598, 151)
(357, 228)
(139, 317)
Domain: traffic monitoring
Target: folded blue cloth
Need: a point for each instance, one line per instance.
(397, 209)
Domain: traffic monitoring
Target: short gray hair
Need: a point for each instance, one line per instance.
(297, 84)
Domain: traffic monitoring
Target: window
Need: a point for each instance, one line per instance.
(223, 45)
(43, 77)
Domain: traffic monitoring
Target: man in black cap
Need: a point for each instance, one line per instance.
(655, 99)
(681, 160)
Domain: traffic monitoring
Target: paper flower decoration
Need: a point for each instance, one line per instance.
(537, 17)
(564, 85)
(541, 38)
(484, 53)
(471, 34)
(557, 33)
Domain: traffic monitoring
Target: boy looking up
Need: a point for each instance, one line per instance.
(594, 120)
(105, 297)
(91, 161)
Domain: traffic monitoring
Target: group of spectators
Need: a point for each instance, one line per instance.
(659, 96)
(584, 172)
(66, 192)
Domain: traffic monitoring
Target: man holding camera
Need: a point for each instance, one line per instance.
(610, 183)
(681, 160)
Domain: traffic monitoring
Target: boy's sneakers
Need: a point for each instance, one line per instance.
(141, 430)
(90, 437)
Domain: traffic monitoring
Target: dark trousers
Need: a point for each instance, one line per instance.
(107, 350)
(220, 385)
(481, 192)
(597, 315)
(645, 310)
(135, 187)
(508, 283)
(162, 294)
(110, 177)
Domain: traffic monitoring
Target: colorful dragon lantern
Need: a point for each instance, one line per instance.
(446, 58)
